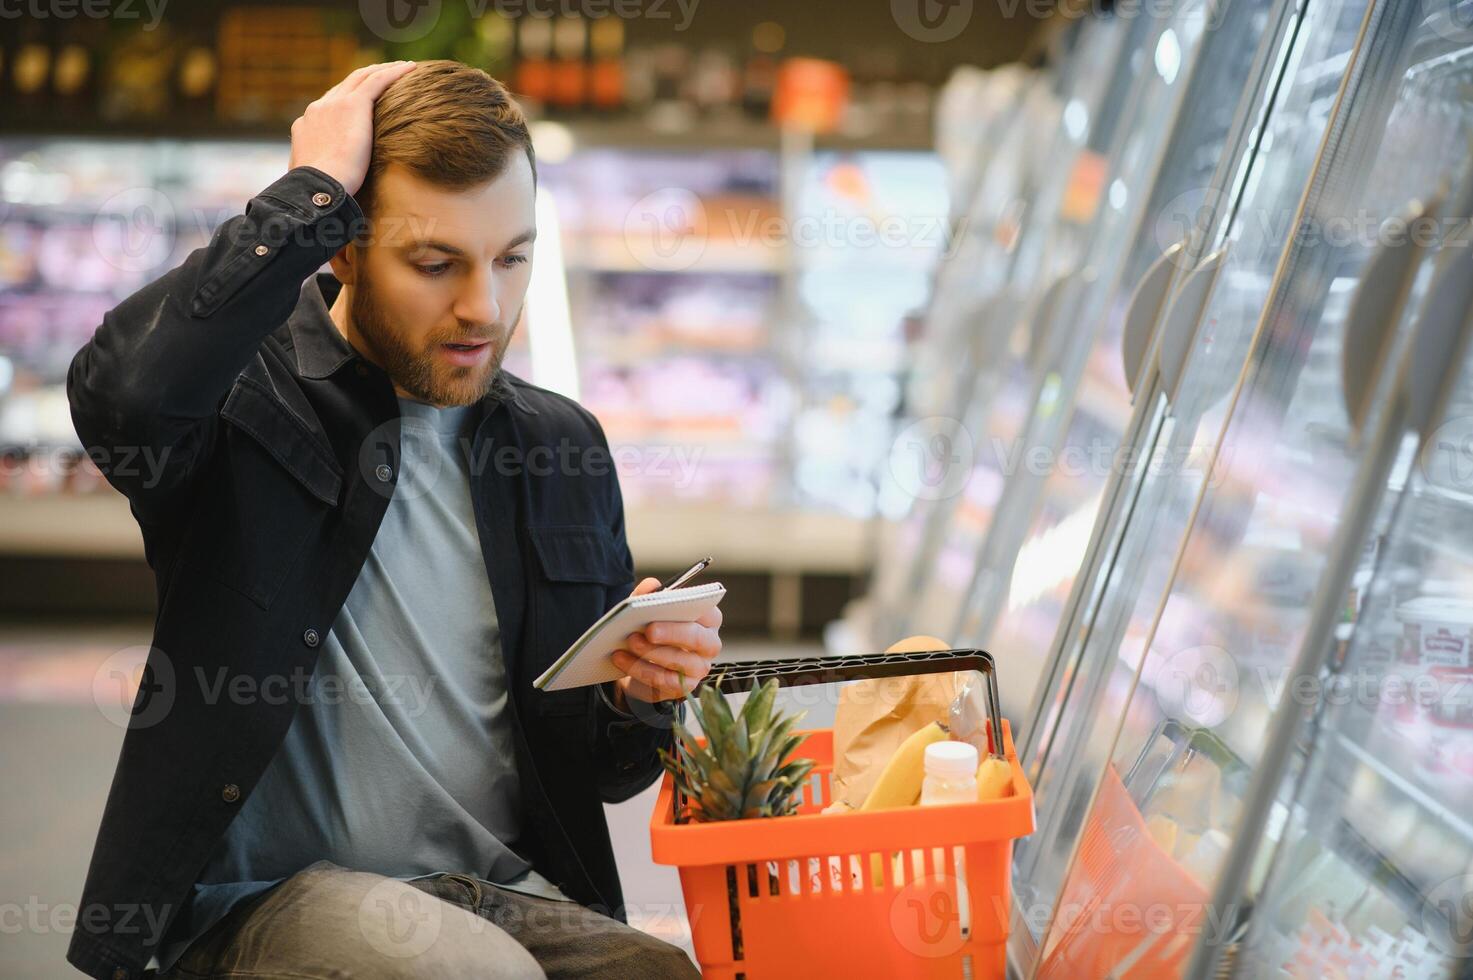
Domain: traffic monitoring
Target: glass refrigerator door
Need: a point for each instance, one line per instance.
(1099, 645)
(1011, 331)
(1044, 525)
(920, 482)
(1373, 871)
(1215, 652)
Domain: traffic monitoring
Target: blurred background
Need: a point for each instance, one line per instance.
(1129, 342)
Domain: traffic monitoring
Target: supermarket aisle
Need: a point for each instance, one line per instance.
(58, 749)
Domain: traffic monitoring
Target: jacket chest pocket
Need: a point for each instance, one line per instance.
(274, 489)
(578, 567)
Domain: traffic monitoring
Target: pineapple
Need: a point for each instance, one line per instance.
(740, 772)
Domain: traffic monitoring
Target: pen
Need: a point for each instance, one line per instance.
(686, 575)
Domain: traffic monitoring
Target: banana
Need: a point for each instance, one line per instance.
(900, 782)
(994, 780)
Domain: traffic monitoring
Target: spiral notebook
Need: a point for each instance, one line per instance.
(590, 659)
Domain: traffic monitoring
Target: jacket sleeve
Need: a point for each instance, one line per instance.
(625, 743)
(145, 390)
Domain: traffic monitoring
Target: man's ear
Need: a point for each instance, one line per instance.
(344, 262)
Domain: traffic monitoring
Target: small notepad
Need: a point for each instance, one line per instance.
(590, 659)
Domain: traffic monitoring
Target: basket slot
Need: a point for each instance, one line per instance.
(959, 864)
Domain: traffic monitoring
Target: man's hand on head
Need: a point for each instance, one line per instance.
(651, 657)
(335, 132)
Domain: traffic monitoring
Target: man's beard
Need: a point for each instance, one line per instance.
(422, 373)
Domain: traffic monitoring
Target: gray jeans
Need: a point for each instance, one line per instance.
(329, 923)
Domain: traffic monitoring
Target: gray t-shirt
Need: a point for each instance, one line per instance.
(400, 762)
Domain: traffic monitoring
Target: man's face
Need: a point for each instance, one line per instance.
(437, 294)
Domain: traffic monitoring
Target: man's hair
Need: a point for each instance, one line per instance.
(447, 123)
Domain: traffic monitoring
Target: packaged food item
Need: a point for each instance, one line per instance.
(1437, 642)
(951, 774)
(1438, 631)
(875, 718)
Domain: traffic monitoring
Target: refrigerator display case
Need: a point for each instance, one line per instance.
(1338, 850)
(1078, 251)
(1181, 400)
(971, 307)
(1031, 555)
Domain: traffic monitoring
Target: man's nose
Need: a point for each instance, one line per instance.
(477, 303)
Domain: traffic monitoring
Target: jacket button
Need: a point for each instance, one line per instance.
(120, 974)
(310, 637)
(383, 472)
(362, 369)
(628, 767)
(262, 249)
(321, 199)
(230, 793)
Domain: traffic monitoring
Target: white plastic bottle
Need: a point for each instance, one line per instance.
(951, 773)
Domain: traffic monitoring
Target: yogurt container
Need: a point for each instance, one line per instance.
(1437, 641)
(1437, 631)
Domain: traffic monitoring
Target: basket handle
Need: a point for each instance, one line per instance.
(738, 676)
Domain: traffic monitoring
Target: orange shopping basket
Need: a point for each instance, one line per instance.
(914, 892)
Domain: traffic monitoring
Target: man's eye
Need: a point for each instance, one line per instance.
(514, 259)
(434, 269)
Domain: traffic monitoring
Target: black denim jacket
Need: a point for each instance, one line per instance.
(258, 451)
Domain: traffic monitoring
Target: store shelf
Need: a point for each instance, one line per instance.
(628, 133)
(664, 536)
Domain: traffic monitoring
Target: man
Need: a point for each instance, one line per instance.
(368, 541)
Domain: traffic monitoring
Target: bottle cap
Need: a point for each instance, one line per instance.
(951, 759)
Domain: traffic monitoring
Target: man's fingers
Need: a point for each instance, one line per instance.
(660, 676)
(373, 84)
(673, 658)
(350, 81)
(712, 619)
(691, 636)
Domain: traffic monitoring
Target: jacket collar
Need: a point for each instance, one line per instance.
(322, 350)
